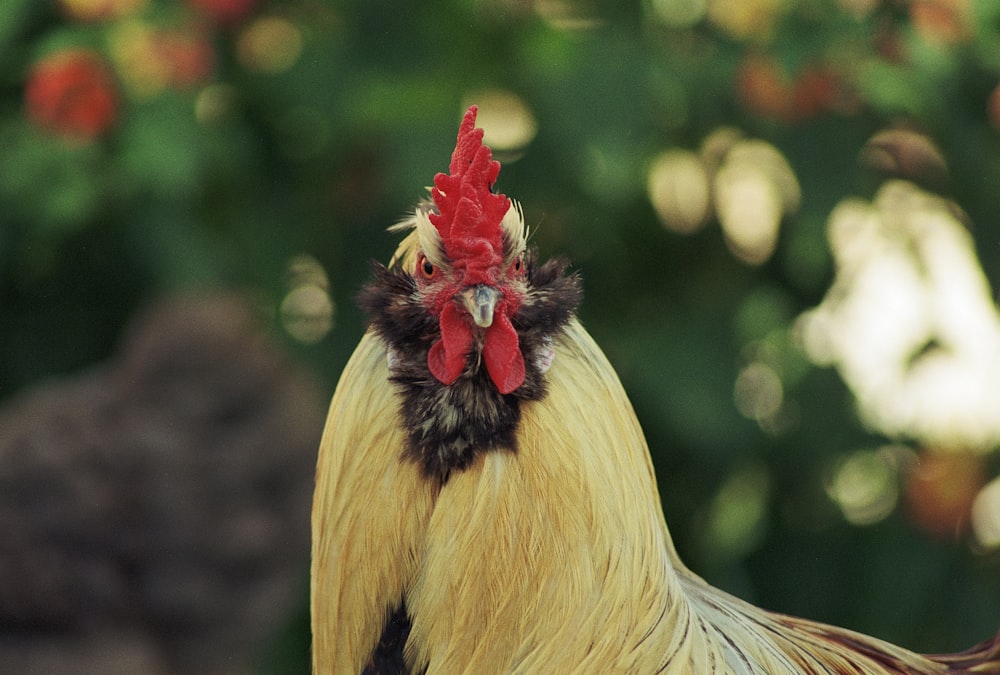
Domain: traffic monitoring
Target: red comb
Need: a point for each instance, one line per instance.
(468, 220)
(469, 214)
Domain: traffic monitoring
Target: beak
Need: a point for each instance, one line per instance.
(480, 301)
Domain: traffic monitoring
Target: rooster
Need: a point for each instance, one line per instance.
(485, 500)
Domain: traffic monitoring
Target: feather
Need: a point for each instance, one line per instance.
(369, 512)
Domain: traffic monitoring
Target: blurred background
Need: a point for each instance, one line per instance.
(784, 212)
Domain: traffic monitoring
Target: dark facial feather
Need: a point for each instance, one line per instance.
(553, 297)
(394, 310)
(447, 425)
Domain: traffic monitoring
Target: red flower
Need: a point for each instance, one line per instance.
(189, 55)
(72, 93)
(765, 89)
(940, 490)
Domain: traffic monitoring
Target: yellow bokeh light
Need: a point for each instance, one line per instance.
(133, 47)
(101, 10)
(506, 120)
(758, 392)
(986, 515)
(746, 183)
(678, 188)
(865, 484)
(752, 20)
(754, 188)
(214, 102)
(737, 515)
(749, 210)
(566, 15)
(307, 313)
(679, 13)
(307, 309)
(269, 45)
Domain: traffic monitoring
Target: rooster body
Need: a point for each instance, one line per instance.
(485, 500)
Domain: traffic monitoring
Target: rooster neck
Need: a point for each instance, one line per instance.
(448, 425)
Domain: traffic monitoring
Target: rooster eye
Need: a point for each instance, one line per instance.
(517, 267)
(425, 267)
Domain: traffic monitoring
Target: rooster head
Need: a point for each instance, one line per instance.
(470, 266)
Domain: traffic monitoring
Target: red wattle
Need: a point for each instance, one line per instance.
(502, 353)
(446, 357)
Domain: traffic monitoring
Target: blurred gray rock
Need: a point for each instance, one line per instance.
(154, 512)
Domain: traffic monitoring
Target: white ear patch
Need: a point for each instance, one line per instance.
(545, 356)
